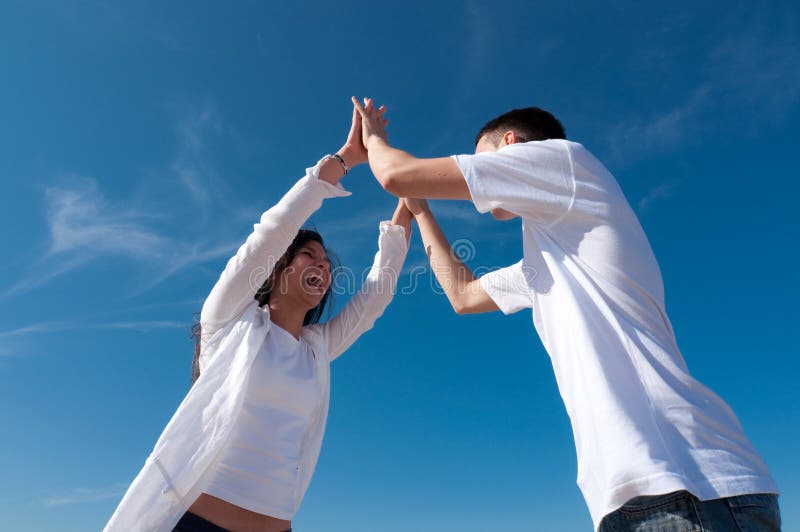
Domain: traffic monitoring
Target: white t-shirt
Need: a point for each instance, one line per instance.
(259, 469)
(642, 424)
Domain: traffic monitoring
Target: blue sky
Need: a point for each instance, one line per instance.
(139, 141)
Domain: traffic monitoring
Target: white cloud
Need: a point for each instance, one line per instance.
(185, 256)
(46, 327)
(753, 71)
(759, 64)
(641, 137)
(660, 192)
(82, 221)
(190, 164)
(85, 495)
(85, 225)
(42, 276)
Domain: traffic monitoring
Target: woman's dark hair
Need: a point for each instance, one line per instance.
(530, 123)
(263, 294)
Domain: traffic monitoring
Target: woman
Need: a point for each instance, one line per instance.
(240, 450)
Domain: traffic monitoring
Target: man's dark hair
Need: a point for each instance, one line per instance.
(530, 123)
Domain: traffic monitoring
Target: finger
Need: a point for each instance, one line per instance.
(354, 120)
(357, 105)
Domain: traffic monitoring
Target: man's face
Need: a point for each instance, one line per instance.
(485, 144)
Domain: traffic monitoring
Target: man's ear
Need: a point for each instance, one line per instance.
(509, 137)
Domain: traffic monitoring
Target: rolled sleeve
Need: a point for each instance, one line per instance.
(508, 288)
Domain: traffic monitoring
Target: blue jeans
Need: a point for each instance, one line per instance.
(683, 512)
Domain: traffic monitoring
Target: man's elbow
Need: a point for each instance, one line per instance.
(461, 307)
(391, 181)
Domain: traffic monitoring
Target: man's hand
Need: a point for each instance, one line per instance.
(416, 206)
(373, 125)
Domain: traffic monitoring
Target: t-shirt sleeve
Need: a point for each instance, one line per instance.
(533, 180)
(508, 288)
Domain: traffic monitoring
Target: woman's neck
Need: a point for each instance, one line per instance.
(287, 316)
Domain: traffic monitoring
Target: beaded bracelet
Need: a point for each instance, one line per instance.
(344, 164)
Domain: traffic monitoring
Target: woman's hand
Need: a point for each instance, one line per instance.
(416, 206)
(402, 216)
(353, 151)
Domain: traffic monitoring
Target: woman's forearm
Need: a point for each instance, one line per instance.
(257, 256)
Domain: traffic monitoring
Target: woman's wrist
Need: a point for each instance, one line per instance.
(351, 156)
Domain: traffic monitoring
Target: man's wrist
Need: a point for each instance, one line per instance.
(374, 141)
(424, 215)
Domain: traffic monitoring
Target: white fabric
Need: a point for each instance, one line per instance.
(235, 330)
(642, 424)
(260, 466)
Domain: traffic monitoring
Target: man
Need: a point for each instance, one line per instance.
(656, 449)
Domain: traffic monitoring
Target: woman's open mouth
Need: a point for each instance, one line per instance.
(314, 282)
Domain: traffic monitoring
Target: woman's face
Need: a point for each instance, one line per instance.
(307, 278)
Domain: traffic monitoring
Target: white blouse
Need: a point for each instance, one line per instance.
(235, 332)
(259, 469)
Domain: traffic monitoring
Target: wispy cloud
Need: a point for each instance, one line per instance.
(184, 256)
(751, 72)
(85, 495)
(82, 220)
(759, 63)
(60, 326)
(191, 165)
(657, 193)
(41, 275)
(85, 225)
(641, 137)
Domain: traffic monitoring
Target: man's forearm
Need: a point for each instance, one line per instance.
(453, 275)
(388, 163)
(404, 175)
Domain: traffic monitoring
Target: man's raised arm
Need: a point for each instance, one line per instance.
(402, 174)
(462, 288)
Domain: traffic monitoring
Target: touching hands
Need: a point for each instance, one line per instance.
(373, 125)
(402, 216)
(416, 206)
(353, 150)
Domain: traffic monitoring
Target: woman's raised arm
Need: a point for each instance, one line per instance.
(252, 264)
(367, 305)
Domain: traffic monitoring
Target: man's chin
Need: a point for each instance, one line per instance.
(502, 215)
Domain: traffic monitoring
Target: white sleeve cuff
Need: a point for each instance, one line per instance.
(331, 191)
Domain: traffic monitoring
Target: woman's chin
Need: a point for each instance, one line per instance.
(311, 300)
